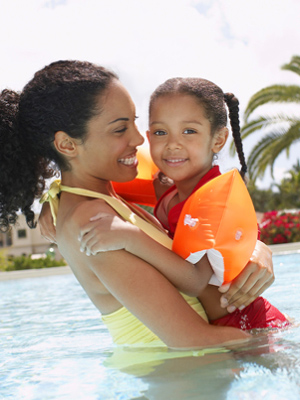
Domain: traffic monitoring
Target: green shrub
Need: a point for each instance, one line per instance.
(26, 262)
(5, 263)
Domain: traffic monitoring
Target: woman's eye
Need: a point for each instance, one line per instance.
(159, 133)
(189, 131)
(121, 130)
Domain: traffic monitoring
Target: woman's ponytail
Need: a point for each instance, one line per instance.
(16, 164)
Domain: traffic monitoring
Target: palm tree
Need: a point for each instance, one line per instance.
(280, 131)
(289, 189)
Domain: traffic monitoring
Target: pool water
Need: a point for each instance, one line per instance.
(54, 346)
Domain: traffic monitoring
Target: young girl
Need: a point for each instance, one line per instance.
(187, 128)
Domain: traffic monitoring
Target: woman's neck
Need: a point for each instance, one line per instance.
(97, 185)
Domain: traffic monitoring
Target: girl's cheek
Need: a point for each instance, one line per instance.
(154, 154)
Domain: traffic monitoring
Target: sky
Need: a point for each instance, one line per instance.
(238, 44)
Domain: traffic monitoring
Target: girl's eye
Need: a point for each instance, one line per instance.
(189, 131)
(159, 133)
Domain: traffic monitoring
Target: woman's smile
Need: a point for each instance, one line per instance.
(129, 161)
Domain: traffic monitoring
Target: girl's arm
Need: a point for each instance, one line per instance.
(112, 233)
(255, 278)
(161, 184)
(145, 292)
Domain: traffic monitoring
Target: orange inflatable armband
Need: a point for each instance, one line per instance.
(218, 220)
(141, 189)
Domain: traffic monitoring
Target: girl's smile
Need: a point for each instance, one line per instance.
(177, 162)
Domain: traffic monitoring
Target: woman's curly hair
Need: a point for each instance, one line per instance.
(60, 97)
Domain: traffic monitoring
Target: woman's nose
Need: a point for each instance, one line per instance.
(137, 138)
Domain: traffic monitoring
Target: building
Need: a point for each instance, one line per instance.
(22, 240)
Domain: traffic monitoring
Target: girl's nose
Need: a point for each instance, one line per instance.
(173, 143)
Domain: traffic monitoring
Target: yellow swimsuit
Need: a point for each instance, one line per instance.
(123, 326)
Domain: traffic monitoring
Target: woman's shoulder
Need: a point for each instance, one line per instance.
(73, 216)
(86, 209)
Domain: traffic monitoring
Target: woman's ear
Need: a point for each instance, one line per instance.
(64, 144)
(220, 139)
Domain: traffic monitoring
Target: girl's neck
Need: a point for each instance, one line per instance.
(183, 192)
(185, 187)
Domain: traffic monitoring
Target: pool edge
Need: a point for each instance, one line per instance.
(34, 273)
(284, 248)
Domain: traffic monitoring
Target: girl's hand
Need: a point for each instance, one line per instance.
(104, 232)
(45, 221)
(255, 278)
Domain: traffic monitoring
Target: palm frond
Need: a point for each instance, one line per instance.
(277, 132)
(262, 123)
(249, 128)
(293, 65)
(272, 94)
(270, 147)
(291, 136)
(261, 155)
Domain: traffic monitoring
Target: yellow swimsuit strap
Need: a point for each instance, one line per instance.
(117, 204)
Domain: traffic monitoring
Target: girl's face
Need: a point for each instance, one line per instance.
(109, 151)
(181, 143)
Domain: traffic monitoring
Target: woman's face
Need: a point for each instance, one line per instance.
(109, 150)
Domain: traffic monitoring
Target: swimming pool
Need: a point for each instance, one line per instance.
(53, 346)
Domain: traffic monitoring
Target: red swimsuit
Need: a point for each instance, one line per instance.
(260, 313)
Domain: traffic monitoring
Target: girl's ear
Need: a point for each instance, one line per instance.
(64, 144)
(147, 134)
(220, 139)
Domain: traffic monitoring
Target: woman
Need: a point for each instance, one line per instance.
(79, 116)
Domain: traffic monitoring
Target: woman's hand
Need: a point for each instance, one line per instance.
(104, 232)
(45, 221)
(255, 278)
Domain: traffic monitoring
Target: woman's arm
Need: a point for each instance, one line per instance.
(255, 278)
(141, 289)
(155, 301)
(107, 233)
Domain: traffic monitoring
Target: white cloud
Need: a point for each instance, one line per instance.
(238, 44)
